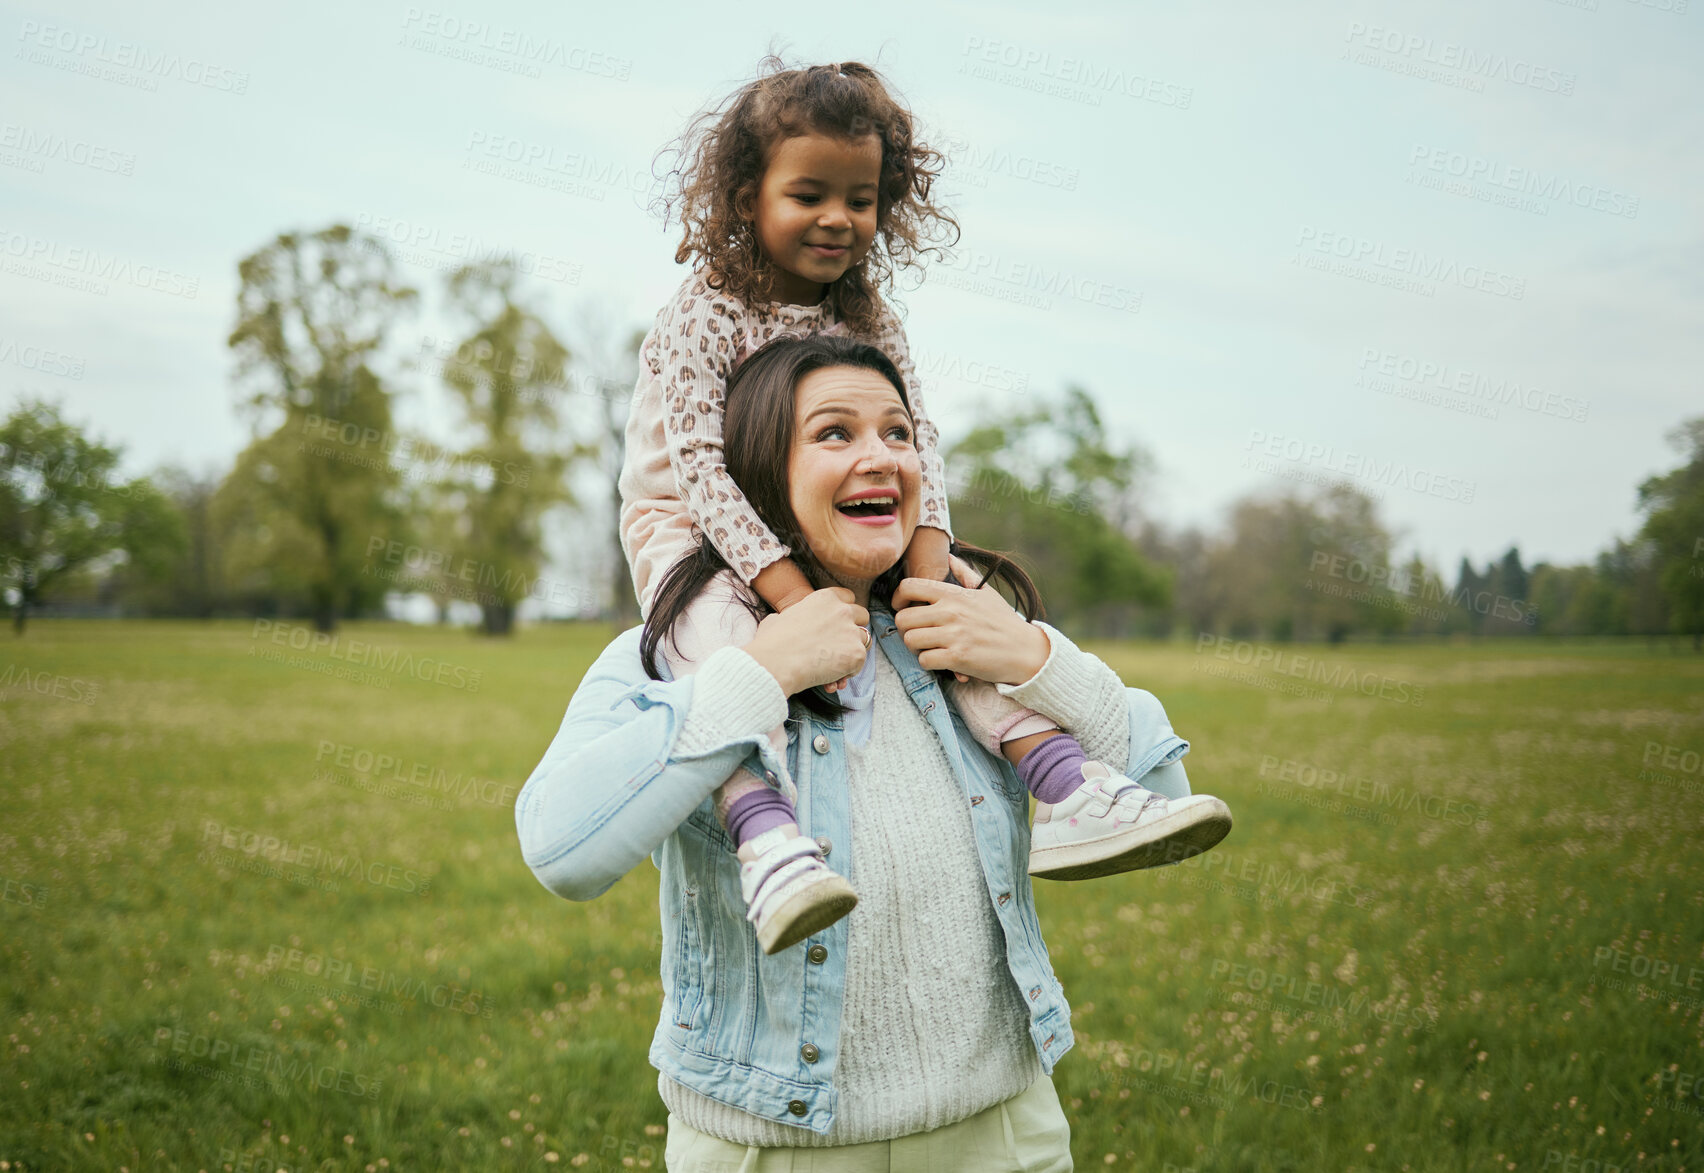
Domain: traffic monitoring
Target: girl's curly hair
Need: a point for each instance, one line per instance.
(722, 156)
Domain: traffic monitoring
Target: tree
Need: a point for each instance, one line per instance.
(1469, 585)
(1305, 566)
(1194, 602)
(516, 467)
(1512, 579)
(1563, 598)
(1674, 524)
(1046, 486)
(417, 557)
(190, 581)
(1504, 604)
(308, 495)
(606, 362)
(1423, 598)
(61, 509)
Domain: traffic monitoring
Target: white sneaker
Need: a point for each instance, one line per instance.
(789, 891)
(1112, 824)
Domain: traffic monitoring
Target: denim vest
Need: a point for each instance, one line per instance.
(761, 1032)
(737, 1024)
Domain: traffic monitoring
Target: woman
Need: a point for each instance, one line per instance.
(920, 1031)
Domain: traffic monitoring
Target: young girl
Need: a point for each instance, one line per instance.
(798, 199)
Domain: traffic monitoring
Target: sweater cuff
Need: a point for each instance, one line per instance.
(734, 698)
(1081, 693)
(763, 559)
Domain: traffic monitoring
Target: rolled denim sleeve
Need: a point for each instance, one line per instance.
(634, 757)
(1127, 728)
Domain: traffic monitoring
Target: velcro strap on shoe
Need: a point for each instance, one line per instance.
(765, 865)
(1133, 796)
(776, 882)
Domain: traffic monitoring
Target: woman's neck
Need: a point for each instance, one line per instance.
(860, 587)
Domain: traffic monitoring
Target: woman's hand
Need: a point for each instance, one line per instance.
(973, 632)
(818, 640)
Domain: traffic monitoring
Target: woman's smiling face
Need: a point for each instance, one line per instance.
(853, 440)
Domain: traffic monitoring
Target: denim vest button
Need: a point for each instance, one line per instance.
(817, 954)
(797, 1107)
(826, 845)
(820, 744)
(769, 774)
(809, 1052)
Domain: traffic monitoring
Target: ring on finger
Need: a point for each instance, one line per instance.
(865, 631)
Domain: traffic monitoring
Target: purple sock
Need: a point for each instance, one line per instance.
(751, 814)
(1053, 769)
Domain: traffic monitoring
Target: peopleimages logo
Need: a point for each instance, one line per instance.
(1473, 385)
(67, 471)
(1383, 577)
(365, 654)
(312, 857)
(421, 242)
(90, 266)
(1672, 757)
(1308, 776)
(1035, 278)
(1088, 76)
(66, 688)
(18, 892)
(1414, 263)
(1669, 973)
(973, 158)
(339, 975)
(41, 360)
(1157, 1071)
(41, 146)
(1263, 447)
(597, 172)
(1524, 180)
(1461, 58)
(259, 1058)
(129, 55)
(421, 774)
(1310, 668)
(348, 442)
(429, 27)
(1330, 998)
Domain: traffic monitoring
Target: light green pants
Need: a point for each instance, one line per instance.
(1025, 1134)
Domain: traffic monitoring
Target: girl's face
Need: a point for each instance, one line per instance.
(816, 210)
(853, 441)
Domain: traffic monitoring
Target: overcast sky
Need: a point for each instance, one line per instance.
(1451, 250)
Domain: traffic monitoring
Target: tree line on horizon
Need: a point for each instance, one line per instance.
(332, 506)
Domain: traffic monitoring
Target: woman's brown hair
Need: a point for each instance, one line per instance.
(757, 441)
(723, 154)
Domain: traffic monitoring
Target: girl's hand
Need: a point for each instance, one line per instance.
(818, 640)
(965, 573)
(974, 632)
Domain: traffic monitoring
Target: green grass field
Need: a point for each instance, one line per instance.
(1458, 926)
